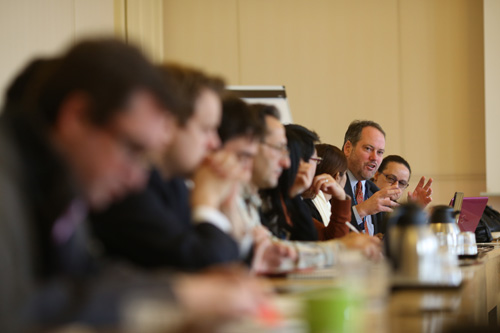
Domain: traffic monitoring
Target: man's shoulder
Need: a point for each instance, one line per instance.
(347, 186)
(371, 187)
(173, 188)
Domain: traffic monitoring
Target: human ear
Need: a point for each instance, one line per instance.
(72, 116)
(337, 176)
(347, 148)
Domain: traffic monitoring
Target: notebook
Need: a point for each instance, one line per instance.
(471, 209)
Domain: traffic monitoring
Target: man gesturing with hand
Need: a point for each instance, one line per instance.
(364, 147)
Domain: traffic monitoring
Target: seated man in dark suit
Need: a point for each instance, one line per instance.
(157, 227)
(74, 133)
(364, 147)
(167, 225)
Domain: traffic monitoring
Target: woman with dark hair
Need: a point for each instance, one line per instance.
(330, 207)
(284, 211)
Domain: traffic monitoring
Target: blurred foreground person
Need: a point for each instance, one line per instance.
(168, 224)
(395, 170)
(74, 134)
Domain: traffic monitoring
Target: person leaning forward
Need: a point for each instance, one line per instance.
(74, 134)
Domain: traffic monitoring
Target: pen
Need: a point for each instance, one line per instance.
(352, 227)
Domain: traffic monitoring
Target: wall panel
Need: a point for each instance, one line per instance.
(416, 67)
(442, 93)
(203, 34)
(338, 60)
(492, 95)
(144, 27)
(39, 28)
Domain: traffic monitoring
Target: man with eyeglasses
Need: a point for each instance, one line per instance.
(168, 224)
(273, 155)
(396, 170)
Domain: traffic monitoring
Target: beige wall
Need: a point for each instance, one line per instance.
(43, 27)
(414, 66)
(492, 95)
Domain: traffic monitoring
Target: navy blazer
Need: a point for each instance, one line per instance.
(154, 229)
(378, 219)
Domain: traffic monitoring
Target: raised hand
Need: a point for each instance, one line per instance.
(379, 202)
(421, 194)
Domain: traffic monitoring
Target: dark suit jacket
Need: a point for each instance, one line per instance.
(44, 282)
(274, 217)
(154, 228)
(377, 219)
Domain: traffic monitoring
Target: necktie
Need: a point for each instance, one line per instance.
(360, 198)
(66, 224)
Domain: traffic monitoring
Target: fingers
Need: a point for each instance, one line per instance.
(386, 209)
(388, 191)
(318, 182)
(387, 205)
(428, 185)
(323, 182)
(387, 202)
(286, 251)
(370, 246)
(302, 179)
(421, 182)
(225, 165)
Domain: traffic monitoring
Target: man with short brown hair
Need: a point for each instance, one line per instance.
(364, 147)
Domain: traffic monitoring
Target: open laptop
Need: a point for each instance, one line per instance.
(471, 209)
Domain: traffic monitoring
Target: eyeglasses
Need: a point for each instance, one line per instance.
(132, 149)
(316, 159)
(402, 184)
(245, 157)
(283, 149)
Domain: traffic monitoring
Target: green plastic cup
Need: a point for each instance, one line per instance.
(333, 310)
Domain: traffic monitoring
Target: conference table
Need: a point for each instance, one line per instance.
(475, 303)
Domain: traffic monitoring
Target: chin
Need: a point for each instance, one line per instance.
(369, 175)
(100, 202)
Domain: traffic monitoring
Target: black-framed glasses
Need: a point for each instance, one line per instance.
(391, 179)
(316, 159)
(283, 149)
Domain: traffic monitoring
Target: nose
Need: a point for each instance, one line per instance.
(285, 161)
(135, 178)
(214, 141)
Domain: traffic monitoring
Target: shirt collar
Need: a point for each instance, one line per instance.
(354, 181)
